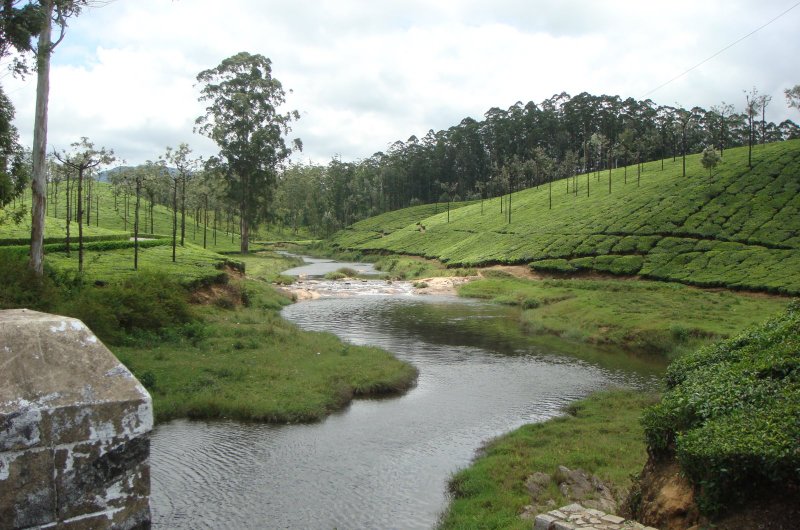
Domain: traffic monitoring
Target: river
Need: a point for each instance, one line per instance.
(381, 463)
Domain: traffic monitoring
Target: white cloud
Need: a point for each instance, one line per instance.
(366, 73)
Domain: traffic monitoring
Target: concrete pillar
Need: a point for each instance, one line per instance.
(74, 429)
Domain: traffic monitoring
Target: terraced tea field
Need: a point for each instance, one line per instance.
(739, 228)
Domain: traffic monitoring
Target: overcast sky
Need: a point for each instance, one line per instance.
(367, 73)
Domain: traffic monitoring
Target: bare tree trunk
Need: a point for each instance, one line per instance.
(174, 218)
(80, 220)
(205, 222)
(69, 211)
(38, 180)
(183, 210)
(136, 224)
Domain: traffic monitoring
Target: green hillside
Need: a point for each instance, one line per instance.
(739, 228)
(110, 215)
(107, 237)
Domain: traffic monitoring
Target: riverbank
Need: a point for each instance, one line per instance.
(248, 363)
(638, 316)
(641, 317)
(517, 475)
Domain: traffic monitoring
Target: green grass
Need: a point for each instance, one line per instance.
(643, 317)
(251, 364)
(601, 435)
(731, 414)
(739, 229)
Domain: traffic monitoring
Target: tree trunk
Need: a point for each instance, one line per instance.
(136, 225)
(38, 180)
(174, 218)
(80, 220)
(244, 214)
(183, 210)
(69, 212)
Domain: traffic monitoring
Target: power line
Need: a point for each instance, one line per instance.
(734, 43)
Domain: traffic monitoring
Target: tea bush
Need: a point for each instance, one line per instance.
(731, 414)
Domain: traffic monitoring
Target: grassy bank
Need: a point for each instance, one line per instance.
(249, 363)
(600, 434)
(641, 317)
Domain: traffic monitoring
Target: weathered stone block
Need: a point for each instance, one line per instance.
(23, 485)
(74, 428)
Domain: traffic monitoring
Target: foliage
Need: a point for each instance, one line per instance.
(242, 118)
(710, 159)
(740, 231)
(527, 145)
(21, 288)
(18, 27)
(145, 302)
(731, 413)
(600, 434)
(14, 166)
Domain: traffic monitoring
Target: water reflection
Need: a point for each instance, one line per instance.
(380, 463)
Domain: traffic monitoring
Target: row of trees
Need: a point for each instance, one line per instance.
(522, 146)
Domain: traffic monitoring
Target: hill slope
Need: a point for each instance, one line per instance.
(739, 228)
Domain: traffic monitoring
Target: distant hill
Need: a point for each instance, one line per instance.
(739, 228)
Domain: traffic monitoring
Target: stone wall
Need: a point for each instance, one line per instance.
(74, 429)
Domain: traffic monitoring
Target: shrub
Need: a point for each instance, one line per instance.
(553, 265)
(144, 302)
(20, 288)
(731, 414)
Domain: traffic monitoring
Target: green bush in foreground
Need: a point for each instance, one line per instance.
(731, 414)
(147, 302)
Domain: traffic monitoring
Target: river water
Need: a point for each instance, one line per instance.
(381, 463)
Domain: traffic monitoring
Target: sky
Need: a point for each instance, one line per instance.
(365, 73)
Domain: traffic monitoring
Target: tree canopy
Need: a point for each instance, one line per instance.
(243, 119)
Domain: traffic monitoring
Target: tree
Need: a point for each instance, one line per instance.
(793, 97)
(14, 173)
(684, 119)
(763, 101)
(720, 111)
(142, 175)
(19, 25)
(242, 118)
(50, 11)
(83, 157)
(185, 168)
(710, 160)
(751, 111)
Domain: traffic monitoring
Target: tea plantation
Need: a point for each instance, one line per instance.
(737, 228)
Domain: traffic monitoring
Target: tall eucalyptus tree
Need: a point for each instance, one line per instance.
(243, 119)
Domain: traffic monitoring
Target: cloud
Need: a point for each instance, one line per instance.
(365, 74)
